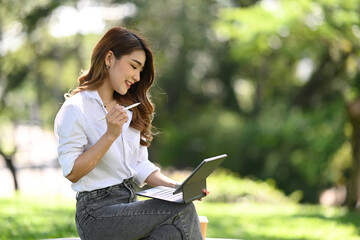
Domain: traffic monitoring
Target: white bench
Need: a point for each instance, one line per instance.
(77, 238)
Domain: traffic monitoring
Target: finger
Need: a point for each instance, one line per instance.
(116, 109)
(122, 116)
(125, 119)
(118, 113)
(112, 113)
(120, 109)
(115, 117)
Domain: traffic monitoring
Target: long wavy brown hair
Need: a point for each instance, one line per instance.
(122, 41)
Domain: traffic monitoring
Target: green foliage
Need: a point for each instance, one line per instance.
(288, 146)
(229, 80)
(229, 187)
(298, 122)
(225, 186)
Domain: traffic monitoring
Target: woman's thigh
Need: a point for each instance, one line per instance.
(111, 216)
(135, 220)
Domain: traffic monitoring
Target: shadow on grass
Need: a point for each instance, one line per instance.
(348, 218)
(303, 224)
(227, 230)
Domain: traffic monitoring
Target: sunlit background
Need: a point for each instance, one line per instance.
(273, 84)
(30, 138)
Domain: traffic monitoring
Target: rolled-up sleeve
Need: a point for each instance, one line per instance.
(143, 167)
(70, 134)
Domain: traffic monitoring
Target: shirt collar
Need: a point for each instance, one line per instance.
(93, 94)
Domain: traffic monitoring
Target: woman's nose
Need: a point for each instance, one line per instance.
(136, 77)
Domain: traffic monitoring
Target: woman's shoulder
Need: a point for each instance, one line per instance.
(75, 101)
(73, 104)
(71, 110)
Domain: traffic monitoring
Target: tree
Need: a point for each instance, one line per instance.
(301, 55)
(264, 81)
(353, 186)
(21, 68)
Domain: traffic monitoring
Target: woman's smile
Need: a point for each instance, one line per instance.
(128, 83)
(125, 71)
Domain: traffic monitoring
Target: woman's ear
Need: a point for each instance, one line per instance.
(109, 58)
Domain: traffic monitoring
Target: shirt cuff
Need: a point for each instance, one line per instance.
(144, 169)
(67, 162)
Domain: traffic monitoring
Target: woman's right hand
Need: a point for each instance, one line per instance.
(115, 120)
(88, 160)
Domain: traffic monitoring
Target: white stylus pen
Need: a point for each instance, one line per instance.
(126, 108)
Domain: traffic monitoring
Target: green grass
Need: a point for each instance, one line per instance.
(25, 217)
(264, 221)
(245, 209)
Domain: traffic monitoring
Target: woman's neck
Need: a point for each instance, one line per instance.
(106, 93)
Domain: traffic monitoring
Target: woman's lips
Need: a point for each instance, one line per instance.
(128, 84)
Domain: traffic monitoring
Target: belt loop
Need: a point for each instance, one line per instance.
(128, 184)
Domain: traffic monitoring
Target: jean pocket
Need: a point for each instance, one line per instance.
(80, 218)
(93, 203)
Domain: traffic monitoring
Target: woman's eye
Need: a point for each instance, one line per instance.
(134, 67)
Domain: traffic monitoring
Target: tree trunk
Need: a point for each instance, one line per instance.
(353, 185)
(9, 163)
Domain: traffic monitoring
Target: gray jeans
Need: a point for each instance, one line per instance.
(115, 213)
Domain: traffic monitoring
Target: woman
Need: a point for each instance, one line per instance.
(103, 157)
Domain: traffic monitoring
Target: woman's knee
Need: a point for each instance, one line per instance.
(190, 208)
(165, 232)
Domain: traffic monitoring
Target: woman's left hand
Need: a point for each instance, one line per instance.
(206, 193)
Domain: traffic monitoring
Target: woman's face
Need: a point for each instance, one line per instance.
(125, 71)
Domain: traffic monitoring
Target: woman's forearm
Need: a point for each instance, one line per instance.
(156, 178)
(88, 160)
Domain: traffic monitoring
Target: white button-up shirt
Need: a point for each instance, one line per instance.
(77, 128)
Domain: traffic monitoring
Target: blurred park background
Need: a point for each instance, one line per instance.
(275, 84)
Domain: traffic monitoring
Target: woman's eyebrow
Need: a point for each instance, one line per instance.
(138, 62)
